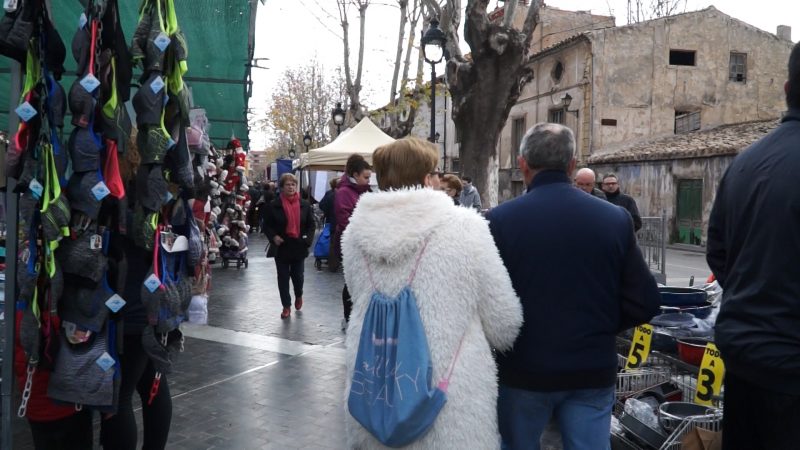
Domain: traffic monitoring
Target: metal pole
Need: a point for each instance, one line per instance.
(664, 242)
(433, 103)
(12, 211)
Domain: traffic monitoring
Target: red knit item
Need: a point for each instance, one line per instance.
(291, 207)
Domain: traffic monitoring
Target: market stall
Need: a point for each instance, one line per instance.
(363, 139)
(669, 388)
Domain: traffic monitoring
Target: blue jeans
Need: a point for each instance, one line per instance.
(583, 415)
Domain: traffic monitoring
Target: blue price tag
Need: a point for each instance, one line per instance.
(25, 111)
(167, 197)
(152, 283)
(83, 20)
(36, 188)
(90, 83)
(162, 41)
(170, 143)
(105, 361)
(115, 303)
(157, 85)
(100, 190)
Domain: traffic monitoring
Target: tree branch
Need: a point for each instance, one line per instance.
(531, 20)
(510, 9)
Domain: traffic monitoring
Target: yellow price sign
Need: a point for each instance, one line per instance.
(709, 380)
(640, 346)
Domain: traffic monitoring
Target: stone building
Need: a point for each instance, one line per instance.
(622, 90)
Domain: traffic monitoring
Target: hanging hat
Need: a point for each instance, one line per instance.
(79, 192)
(151, 188)
(84, 150)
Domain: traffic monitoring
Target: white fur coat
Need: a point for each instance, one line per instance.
(461, 285)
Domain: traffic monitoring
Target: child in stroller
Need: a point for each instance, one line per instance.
(234, 246)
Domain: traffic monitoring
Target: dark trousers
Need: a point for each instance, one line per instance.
(289, 270)
(756, 418)
(71, 433)
(119, 431)
(347, 303)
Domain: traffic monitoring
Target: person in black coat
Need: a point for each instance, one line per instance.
(289, 225)
(614, 195)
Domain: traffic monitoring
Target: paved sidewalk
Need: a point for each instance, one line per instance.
(250, 380)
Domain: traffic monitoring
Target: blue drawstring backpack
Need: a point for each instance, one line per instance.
(391, 392)
(323, 245)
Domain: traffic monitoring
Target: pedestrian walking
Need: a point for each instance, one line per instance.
(614, 195)
(753, 245)
(586, 180)
(452, 187)
(290, 227)
(469, 195)
(352, 185)
(394, 248)
(327, 207)
(581, 279)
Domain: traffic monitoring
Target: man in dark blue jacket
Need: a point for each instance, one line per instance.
(575, 265)
(753, 250)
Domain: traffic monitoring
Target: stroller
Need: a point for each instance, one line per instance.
(233, 251)
(322, 247)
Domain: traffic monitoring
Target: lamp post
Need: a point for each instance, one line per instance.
(307, 141)
(433, 42)
(338, 117)
(566, 100)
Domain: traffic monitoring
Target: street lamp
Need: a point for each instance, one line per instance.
(338, 117)
(566, 100)
(433, 42)
(307, 141)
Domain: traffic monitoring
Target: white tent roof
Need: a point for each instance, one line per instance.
(363, 139)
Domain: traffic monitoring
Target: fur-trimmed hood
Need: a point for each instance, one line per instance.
(396, 223)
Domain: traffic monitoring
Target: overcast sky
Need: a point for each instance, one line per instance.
(292, 32)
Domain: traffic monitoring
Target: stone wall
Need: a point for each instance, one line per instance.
(634, 84)
(653, 184)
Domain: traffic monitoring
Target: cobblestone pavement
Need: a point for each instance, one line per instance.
(250, 380)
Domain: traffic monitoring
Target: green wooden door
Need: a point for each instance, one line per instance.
(690, 211)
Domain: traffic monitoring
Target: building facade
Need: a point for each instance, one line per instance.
(623, 90)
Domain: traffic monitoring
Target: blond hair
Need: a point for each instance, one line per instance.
(286, 177)
(404, 163)
(453, 182)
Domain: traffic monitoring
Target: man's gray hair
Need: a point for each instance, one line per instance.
(548, 146)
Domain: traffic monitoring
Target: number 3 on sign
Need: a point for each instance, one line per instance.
(640, 347)
(709, 381)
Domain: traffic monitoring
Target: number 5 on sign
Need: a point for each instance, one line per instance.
(640, 347)
(709, 381)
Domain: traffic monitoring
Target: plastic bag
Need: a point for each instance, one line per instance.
(643, 412)
(198, 310)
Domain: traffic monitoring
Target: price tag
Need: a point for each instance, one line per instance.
(115, 303)
(640, 346)
(25, 111)
(83, 20)
(162, 41)
(100, 190)
(170, 143)
(152, 283)
(96, 242)
(157, 85)
(105, 361)
(36, 188)
(90, 83)
(10, 5)
(709, 381)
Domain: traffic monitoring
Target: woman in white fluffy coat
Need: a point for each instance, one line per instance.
(461, 285)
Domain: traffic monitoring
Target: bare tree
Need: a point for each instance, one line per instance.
(485, 86)
(301, 103)
(643, 10)
(399, 53)
(355, 109)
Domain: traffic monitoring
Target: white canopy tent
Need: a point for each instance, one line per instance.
(363, 139)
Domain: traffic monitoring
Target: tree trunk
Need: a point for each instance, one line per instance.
(484, 88)
(399, 54)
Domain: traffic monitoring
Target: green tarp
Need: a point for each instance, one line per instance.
(220, 37)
